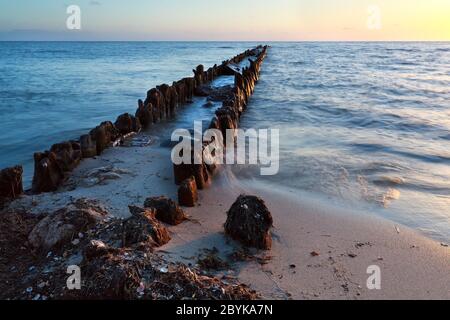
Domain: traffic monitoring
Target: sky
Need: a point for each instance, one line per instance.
(235, 20)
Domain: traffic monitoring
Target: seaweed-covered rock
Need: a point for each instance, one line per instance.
(109, 273)
(60, 227)
(249, 222)
(167, 210)
(143, 227)
(187, 193)
(11, 183)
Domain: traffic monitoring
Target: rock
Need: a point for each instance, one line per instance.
(48, 175)
(187, 193)
(167, 210)
(88, 146)
(127, 123)
(249, 221)
(315, 254)
(143, 227)
(60, 227)
(11, 183)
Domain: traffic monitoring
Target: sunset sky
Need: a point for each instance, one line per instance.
(226, 20)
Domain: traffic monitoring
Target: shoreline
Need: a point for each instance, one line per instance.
(413, 266)
(319, 251)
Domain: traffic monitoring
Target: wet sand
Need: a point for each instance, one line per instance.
(412, 266)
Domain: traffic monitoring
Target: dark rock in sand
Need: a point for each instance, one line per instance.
(48, 175)
(187, 193)
(10, 183)
(88, 146)
(249, 222)
(167, 210)
(61, 227)
(126, 123)
(143, 227)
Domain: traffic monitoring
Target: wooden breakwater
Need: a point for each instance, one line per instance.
(52, 167)
(197, 174)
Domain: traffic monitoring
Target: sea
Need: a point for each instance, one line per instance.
(363, 124)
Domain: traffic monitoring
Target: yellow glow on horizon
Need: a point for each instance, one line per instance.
(400, 20)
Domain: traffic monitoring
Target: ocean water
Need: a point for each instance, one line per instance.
(363, 124)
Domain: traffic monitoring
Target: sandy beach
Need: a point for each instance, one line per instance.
(345, 243)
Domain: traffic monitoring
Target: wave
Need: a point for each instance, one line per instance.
(373, 148)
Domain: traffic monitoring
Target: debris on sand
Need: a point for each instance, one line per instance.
(167, 210)
(60, 227)
(210, 260)
(111, 269)
(142, 227)
(249, 221)
(102, 175)
(315, 254)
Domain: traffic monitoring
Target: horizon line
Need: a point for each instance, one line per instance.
(236, 41)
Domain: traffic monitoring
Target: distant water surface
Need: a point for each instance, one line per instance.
(364, 124)
(367, 124)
